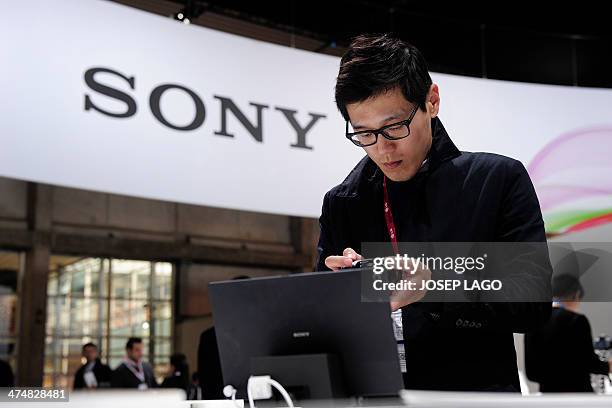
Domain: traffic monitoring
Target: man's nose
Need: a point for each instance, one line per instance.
(384, 145)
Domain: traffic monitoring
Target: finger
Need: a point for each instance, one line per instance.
(350, 252)
(335, 262)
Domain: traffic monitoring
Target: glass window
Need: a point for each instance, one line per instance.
(106, 301)
(162, 281)
(10, 264)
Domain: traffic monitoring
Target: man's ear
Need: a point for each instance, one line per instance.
(433, 100)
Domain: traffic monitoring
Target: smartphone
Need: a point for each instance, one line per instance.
(362, 263)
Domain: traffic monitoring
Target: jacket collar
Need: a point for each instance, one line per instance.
(442, 147)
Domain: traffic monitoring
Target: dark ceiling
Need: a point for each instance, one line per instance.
(555, 44)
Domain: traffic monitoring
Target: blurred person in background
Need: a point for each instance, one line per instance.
(7, 379)
(209, 363)
(178, 374)
(560, 355)
(92, 374)
(195, 391)
(133, 372)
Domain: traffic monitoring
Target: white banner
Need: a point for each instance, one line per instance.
(100, 96)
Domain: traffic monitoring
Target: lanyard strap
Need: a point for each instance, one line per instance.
(389, 218)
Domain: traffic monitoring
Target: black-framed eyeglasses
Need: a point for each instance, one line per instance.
(394, 131)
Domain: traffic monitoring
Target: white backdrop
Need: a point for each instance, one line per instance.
(48, 136)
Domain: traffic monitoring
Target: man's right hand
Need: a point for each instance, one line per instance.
(336, 262)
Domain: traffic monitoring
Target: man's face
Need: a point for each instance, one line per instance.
(398, 159)
(90, 353)
(136, 352)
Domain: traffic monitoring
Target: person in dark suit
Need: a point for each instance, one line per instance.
(133, 372)
(415, 185)
(560, 355)
(179, 373)
(194, 392)
(92, 374)
(7, 379)
(209, 366)
(209, 363)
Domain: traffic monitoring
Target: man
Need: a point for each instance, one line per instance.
(178, 374)
(210, 378)
(133, 372)
(194, 392)
(7, 379)
(209, 365)
(436, 194)
(559, 355)
(92, 374)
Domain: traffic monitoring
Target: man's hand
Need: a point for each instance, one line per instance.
(401, 298)
(398, 299)
(336, 262)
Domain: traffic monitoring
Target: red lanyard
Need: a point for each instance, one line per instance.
(389, 218)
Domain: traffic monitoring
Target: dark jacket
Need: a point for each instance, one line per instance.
(560, 354)
(209, 366)
(458, 197)
(7, 379)
(176, 380)
(101, 371)
(122, 377)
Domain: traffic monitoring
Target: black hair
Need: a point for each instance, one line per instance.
(131, 341)
(567, 287)
(375, 64)
(179, 362)
(89, 345)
